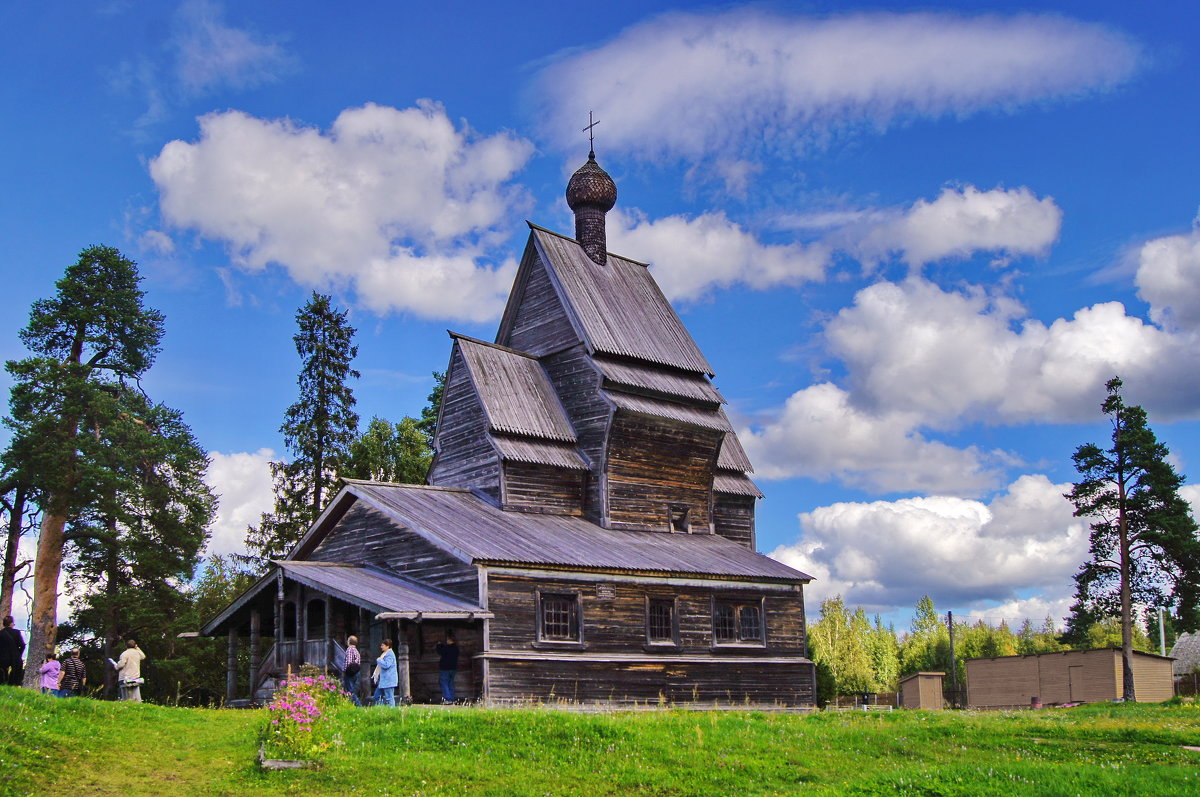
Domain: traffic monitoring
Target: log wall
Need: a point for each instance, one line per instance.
(655, 462)
(733, 518)
(367, 536)
(542, 488)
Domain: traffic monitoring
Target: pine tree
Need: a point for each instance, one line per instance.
(317, 429)
(1143, 546)
(89, 341)
(134, 551)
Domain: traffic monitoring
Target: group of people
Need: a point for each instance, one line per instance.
(385, 676)
(68, 677)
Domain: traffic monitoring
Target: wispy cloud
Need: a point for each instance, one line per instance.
(699, 85)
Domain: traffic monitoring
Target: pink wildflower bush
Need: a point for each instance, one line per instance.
(299, 724)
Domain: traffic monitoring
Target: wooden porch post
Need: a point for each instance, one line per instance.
(402, 669)
(231, 667)
(255, 635)
(302, 621)
(279, 616)
(328, 632)
(364, 648)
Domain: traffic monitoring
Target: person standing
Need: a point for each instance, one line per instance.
(73, 675)
(12, 653)
(447, 667)
(352, 670)
(129, 672)
(385, 690)
(50, 675)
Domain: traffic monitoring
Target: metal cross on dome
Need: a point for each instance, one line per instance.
(591, 140)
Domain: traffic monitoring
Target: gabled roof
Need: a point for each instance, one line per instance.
(1186, 652)
(618, 308)
(373, 589)
(472, 529)
(515, 392)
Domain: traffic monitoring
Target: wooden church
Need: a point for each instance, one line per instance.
(588, 527)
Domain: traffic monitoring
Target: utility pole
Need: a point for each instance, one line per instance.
(1162, 637)
(953, 659)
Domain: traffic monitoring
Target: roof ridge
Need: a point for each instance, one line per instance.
(575, 241)
(459, 336)
(372, 482)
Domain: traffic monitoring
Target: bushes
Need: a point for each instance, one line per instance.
(300, 726)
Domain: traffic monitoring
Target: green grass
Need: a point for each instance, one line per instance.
(85, 747)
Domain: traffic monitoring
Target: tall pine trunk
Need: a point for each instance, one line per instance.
(16, 527)
(43, 619)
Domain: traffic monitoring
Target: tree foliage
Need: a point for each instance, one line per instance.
(1143, 546)
(390, 452)
(134, 552)
(90, 343)
(317, 429)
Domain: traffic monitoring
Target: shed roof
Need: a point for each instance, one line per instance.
(659, 408)
(733, 456)
(619, 307)
(515, 391)
(375, 590)
(657, 379)
(559, 455)
(468, 526)
(735, 483)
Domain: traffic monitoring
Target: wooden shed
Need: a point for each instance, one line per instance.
(1071, 676)
(922, 690)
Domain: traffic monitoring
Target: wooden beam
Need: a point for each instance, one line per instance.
(231, 667)
(255, 645)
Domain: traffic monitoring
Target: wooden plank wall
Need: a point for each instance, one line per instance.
(366, 536)
(541, 324)
(464, 458)
(1153, 681)
(653, 462)
(736, 683)
(733, 518)
(577, 383)
(542, 488)
(1006, 681)
(614, 614)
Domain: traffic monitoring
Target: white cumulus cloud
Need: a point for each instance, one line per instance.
(1168, 277)
(242, 480)
(961, 222)
(820, 434)
(887, 554)
(700, 84)
(950, 357)
(398, 204)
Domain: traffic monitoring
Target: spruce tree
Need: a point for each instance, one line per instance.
(317, 430)
(89, 342)
(1143, 546)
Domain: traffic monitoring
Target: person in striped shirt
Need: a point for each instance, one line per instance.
(352, 669)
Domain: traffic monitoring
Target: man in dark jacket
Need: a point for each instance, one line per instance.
(12, 653)
(74, 675)
(447, 666)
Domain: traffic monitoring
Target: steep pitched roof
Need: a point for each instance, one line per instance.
(618, 308)
(1186, 652)
(474, 530)
(515, 392)
(668, 382)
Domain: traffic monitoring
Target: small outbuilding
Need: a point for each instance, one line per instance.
(922, 690)
(1069, 676)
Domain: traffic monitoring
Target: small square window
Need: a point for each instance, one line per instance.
(678, 515)
(560, 617)
(737, 622)
(660, 621)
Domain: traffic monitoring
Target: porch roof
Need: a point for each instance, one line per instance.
(385, 594)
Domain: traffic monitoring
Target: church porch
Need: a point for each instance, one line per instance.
(302, 612)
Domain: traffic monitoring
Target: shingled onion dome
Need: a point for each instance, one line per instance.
(590, 194)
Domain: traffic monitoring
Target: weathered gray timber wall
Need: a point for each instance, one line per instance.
(655, 462)
(465, 458)
(733, 518)
(367, 536)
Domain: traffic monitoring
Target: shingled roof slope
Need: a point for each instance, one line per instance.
(515, 391)
(619, 306)
(474, 529)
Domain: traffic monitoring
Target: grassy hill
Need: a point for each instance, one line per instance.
(86, 747)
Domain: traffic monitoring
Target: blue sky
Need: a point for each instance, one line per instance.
(913, 240)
